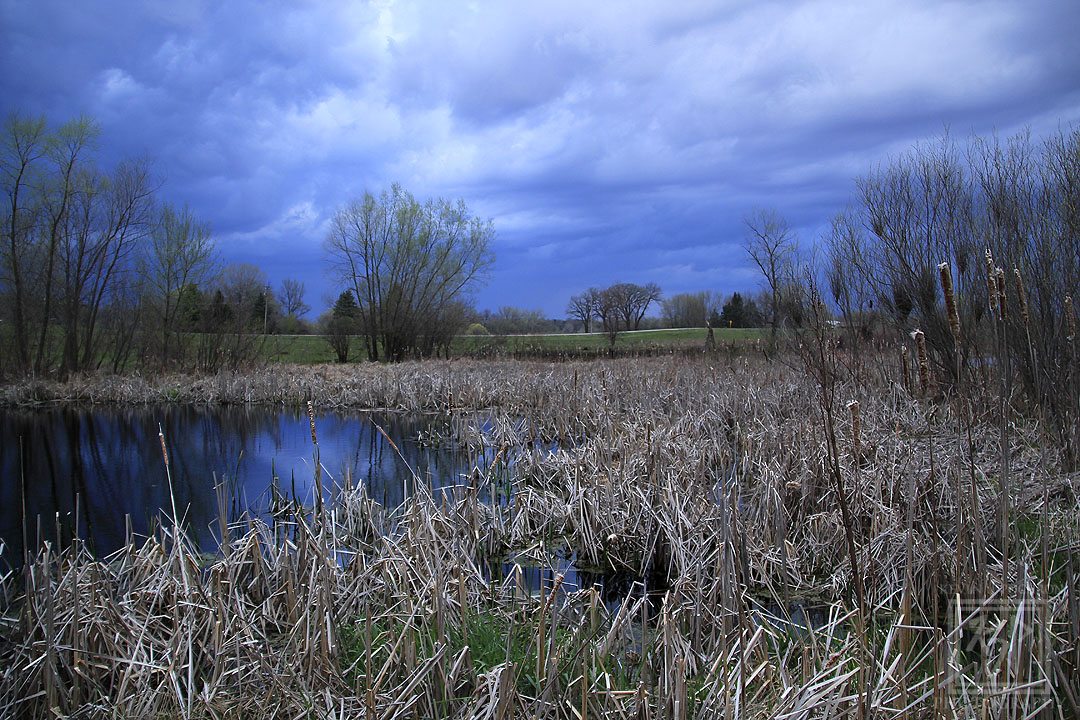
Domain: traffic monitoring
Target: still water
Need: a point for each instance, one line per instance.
(95, 471)
(98, 472)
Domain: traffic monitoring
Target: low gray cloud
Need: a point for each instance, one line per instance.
(607, 141)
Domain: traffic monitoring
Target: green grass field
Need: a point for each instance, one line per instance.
(599, 341)
(313, 349)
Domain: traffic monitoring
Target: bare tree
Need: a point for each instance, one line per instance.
(609, 310)
(25, 142)
(632, 301)
(919, 211)
(584, 307)
(291, 297)
(110, 216)
(1010, 203)
(181, 254)
(847, 270)
(687, 310)
(66, 150)
(771, 244)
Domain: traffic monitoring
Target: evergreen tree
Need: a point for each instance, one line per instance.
(734, 312)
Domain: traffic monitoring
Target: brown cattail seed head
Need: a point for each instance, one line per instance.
(950, 301)
(1070, 317)
(991, 282)
(924, 361)
(1002, 312)
(164, 450)
(311, 419)
(1019, 280)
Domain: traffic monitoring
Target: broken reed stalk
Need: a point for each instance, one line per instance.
(853, 408)
(1073, 370)
(1070, 319)
(824, 367)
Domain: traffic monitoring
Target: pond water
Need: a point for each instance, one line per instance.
(98, 472)
(94, 471)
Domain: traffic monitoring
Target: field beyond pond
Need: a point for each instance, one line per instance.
(313, 349)
(799, 536)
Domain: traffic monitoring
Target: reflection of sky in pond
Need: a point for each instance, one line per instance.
(108, 463)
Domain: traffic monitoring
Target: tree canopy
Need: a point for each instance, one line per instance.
(408, 263)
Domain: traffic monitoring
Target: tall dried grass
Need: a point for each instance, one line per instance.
(714, 481)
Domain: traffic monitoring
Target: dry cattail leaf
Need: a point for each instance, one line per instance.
(991, 282)
(853, 407)
(311, 419)
(271, 602)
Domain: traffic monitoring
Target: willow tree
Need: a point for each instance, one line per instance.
(407, 263)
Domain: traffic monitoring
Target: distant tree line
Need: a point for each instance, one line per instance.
(619, 307)
(509, 320)
(623, 307)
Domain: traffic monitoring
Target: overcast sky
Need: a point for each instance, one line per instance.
(613, 141)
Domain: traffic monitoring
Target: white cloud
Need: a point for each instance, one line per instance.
(117, 85)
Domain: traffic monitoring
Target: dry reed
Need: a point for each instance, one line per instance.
(702, 479)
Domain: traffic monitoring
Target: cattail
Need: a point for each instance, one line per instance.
(924, 362)
(311, 418)
(991, 281)
(950, 301)
(906, 370)
(1019, 280)
(1001, 294)
(1070, 317)
(164, 450)
(853, 406)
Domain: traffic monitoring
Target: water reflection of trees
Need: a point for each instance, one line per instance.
(108, 464)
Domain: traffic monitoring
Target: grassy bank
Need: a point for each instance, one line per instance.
(313, 349)
(726, 483)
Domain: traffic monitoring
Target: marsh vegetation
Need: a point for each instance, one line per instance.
(825, 532)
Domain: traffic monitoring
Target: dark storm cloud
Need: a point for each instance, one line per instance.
(608, 142)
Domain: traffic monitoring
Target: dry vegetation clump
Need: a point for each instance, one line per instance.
(786, 569)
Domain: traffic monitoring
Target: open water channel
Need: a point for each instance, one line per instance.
(95, 471)
(99, 473)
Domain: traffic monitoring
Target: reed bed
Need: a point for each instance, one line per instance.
(788, 561)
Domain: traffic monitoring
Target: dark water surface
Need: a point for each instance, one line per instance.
(107, 464)
(95, 472)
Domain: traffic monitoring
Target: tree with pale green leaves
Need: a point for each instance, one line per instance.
(407, 262)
